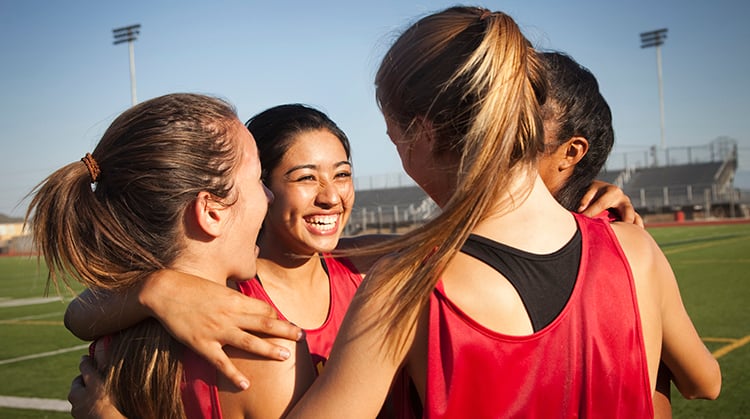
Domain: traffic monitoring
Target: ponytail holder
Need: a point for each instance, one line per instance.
(485, 15)
(92, 166)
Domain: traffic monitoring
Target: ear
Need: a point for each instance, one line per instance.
(425, 133)
(210, 215)
(575, 148)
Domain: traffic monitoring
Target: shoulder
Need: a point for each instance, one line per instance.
(635, 241)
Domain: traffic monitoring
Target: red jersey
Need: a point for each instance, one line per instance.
(589, 362)
(200, 394)
(343, 280)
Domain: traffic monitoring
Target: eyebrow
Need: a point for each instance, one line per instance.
(315, 166)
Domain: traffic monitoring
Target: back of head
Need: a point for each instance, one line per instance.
(275, 128)
(576, 108)
(478, 83)
(112, 224)
(120, 215)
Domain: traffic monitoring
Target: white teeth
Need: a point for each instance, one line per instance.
(323, 222)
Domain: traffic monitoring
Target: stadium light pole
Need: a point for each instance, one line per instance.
(656, 39)
(129, 34)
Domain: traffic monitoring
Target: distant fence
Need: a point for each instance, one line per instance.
(704, 199)
(386, 181)
(721, 149)
(387, 219)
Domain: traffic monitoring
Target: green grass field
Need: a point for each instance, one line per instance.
(711, 264)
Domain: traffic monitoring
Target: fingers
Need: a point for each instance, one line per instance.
(639, 221)
(219, 359)
(272, 327)
(79, 395)
(249, 343)
(603, 196)
(586, 200)
(89, 373)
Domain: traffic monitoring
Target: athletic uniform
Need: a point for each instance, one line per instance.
(586, 357)
(344, 280)
(200, 395)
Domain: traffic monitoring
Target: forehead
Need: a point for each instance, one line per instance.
(318, 144)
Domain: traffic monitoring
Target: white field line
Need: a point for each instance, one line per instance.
(34, 317)
(34, 403)
(16, 302)
(43, 354)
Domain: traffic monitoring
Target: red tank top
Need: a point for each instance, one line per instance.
(200, 394)
(589, 362)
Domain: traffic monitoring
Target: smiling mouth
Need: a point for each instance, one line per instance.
(323, 222)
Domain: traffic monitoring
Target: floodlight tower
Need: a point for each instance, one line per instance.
(656, 39)
(129, 34)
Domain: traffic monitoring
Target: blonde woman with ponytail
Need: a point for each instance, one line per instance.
(506, 304)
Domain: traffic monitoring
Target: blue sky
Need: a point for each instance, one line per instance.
(62, 81)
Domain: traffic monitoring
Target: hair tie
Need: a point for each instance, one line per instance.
(93, 167)
(485, 15)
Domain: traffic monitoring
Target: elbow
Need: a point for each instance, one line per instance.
(709, 388)
(71, 324)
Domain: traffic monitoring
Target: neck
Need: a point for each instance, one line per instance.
(204, 267)
(289, 269)
(537, 224)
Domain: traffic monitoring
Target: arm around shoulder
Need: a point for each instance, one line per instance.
(695, 371)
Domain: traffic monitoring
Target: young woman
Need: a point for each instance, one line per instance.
(174, 183)
(506, 304)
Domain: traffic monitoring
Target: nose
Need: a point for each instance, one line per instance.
(328, 195)
(269, 194)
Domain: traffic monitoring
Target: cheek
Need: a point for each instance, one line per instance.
(346, 192)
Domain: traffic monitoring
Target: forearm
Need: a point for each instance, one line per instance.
(94, 314)
(697, 376)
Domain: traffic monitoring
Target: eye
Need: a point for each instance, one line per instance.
(346, 174)
(305, 178)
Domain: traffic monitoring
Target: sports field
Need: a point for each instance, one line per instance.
(39, 358)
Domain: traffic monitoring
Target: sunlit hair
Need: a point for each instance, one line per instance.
(477, 80)
(275, 129)
(576, 108)
(154, 158)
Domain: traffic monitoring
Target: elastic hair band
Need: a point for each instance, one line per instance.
(485, 15)
(93, 167)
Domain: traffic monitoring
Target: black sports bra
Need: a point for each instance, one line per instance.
(544, 282)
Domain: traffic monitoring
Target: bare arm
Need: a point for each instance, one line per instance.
(201, 314)
(695, 371)
(602, 196)
(360, 369)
